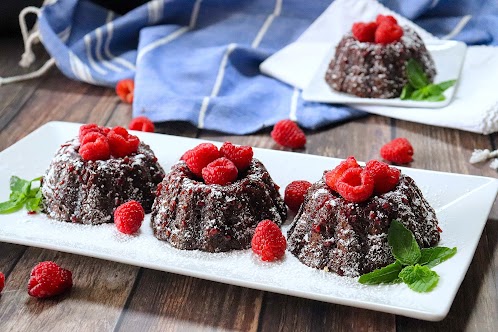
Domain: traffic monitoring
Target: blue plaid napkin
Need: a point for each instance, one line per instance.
(198, 60)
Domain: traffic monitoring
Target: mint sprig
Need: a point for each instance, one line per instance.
(413, 265)
(419, 87)
(23, 193)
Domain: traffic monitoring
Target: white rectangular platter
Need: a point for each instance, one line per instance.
(462, 204)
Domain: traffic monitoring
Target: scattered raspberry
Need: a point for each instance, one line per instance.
(398, 151)
(294, 194)
(141, 123)
(49, 279)
(2, 281)
(96, 150)
(125, 89)
(355, 185)
(128, 217)
(365, 32)
(121, 143)
(332, 176)
(288, 134)
(220, 171)
(241, 156)
(200, 156)
(385, 177)
(387, 33)
(385, 18)
(268, 241)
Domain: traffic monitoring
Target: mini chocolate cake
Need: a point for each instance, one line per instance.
(87, 192)
(371, 70)
(350, 239)
(190, 214)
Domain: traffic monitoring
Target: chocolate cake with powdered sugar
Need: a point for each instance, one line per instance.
(373, 70)
(350, 239)
(190, 214)
(81, 191)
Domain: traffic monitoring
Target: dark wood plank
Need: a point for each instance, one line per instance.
(94, 303)
(169, 302)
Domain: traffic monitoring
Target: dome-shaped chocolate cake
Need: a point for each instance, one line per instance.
(87, 192)
(349, 238)
(373, 70)
(190, 214)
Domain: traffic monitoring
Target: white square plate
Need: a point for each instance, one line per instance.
(462, 204)
(448, 56)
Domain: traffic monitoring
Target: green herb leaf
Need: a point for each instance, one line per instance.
(419, 94)
(416, 75)
(431, 257)
(386, 275)
(406, 92)
(419, 278)
(446, 84)
(435, 98)
(403, 244)
(19, 185)
(10, 206)
(434, 90)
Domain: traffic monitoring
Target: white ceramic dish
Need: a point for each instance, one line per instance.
(448, 56)
(462, 203)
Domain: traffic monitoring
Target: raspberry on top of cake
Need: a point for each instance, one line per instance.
(370, 61)
(343, 222)
(97, 171)
(213, 199)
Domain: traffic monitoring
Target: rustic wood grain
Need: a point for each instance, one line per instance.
(169, 302)
(93, 304)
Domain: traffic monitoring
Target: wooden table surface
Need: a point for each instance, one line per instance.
(111, 296)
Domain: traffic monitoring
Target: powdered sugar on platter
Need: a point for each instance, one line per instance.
(457, 200)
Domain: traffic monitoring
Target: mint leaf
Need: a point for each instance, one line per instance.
(446, 84)
(385, 275)
(431, 257)
(419, 94)
(434, 90)
(415, 74)
(419, 278)
(33, 202)
(10, 206)
(435, 98)
(19, 185)
(403, 244)
(406, 92)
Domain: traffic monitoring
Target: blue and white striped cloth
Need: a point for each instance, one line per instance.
(198, 60)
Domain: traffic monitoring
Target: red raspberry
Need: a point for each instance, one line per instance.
(49, 279)
(294, 194)
(288, 134)
(91, 137)
(364, 32)
(125, 89)
(221, 171)
(241, 156)
(2, 281)
(91, 128)
(398, 151)
(332, 176)
(268, 241)
(387, 33)
(200, 156)
(121, 143)
(128, 217)
(96, 150)
(385, 18)
(355, 185)
(141, 123)
(385, 177)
